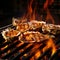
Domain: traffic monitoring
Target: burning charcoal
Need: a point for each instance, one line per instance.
(31, 36)
(8, 34)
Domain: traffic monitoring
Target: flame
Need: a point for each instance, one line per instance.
(47, 3)
(49, 17)
(37, 52)
(37, 55)
(50, 44)
(30, 7)
(31, 14)
(45, 7)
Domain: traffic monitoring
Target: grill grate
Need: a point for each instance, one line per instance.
(26, 51)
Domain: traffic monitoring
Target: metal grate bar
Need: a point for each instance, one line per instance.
(8, 47)
(14, 51)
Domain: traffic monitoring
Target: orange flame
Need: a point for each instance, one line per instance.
(31, 14)
(49, 17)
(47, 3)
(50, 44)
(37, 55)
(30, 7)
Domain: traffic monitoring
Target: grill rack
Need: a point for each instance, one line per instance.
(16, 50)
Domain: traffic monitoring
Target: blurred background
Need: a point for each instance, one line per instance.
(16, 8)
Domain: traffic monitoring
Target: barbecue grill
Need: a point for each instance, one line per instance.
(34, 10)
(15, 50)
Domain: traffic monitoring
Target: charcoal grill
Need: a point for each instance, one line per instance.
(15, 50)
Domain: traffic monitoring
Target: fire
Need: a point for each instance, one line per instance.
(32, 9)
(50, 44)
(49, 17)
(37, 52)
(47, 3)
(31, 14)
(37, 55)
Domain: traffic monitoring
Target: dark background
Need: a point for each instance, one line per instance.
(16, 8)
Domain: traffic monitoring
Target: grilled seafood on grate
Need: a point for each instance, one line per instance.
(32, 36)
(32, 25)
(22, 27)
(16, 22)
(10, 33)
(51, 28)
